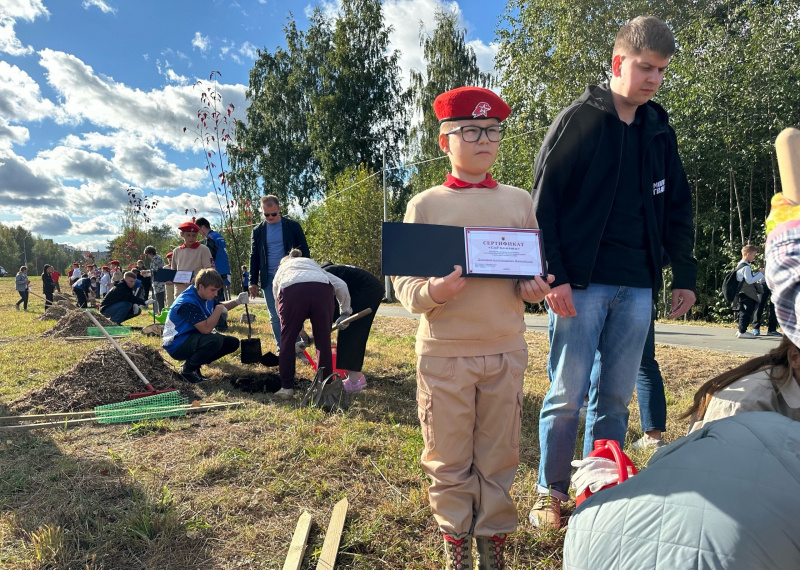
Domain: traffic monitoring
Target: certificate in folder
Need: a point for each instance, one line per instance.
(428, 250)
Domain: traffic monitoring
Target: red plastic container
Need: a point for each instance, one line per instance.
(609, 449)
(313, 363)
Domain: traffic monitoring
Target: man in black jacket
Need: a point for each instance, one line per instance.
(610, 192)
(120, 303)
(272, 239)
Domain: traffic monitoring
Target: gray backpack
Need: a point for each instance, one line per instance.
(327, 393)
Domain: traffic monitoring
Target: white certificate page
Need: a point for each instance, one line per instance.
(503, 251)
(182, 277)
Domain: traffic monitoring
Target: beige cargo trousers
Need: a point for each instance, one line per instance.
(470, 411)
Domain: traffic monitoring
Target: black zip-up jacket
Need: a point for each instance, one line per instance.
(119, 292)
(575, 180)
(293, 237)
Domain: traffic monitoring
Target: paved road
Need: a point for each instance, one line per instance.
(710, 338)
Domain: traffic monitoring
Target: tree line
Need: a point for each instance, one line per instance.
(328, 115)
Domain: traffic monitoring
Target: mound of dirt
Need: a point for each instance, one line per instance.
(75, 323)
(53, 313)
(63, 297)
(103, 377)
(65, 303)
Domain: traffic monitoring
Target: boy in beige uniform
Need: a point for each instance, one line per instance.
(471, 353)
(191, 256)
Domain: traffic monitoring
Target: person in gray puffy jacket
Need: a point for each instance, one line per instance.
(21, 283)
(725, 497)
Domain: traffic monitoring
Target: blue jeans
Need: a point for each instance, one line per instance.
(119, 312)
(649, 385)
(274, 320)
(614, 321)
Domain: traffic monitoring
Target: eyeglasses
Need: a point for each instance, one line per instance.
(271, 215)
(474, 134)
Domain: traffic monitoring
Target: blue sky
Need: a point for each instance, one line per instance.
(94, 95)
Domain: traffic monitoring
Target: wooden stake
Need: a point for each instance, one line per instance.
(327, 559)
(294, 558)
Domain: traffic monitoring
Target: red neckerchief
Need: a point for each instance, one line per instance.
(195, 245)
(453, 182)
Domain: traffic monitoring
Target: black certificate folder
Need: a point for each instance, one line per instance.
(421, 250)
(428, 250)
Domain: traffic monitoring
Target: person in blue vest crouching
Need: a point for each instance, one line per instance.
(189, 332)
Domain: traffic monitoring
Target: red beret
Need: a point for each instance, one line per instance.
(470, 103)
(75, 263)
(114, 262)
(105, 267)
(189, 227)
(169, 254)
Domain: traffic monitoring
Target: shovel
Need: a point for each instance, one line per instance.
(251, 347)
(150, 390)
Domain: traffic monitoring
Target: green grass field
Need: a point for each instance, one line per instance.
(224, 489)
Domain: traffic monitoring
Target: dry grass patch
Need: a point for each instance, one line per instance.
(224, 489)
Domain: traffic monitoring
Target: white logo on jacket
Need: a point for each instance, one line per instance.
(658, 187)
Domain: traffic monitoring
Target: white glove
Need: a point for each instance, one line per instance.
(595, 473)
(338, 324)
(137, 309)
(243, 298)
(149, 301)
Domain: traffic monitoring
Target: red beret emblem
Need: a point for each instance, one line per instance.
(481, 110)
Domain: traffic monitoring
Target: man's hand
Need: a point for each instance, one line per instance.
(442, 289)
(253, 290)
(536, 289)
(682, 301)
(560, 300)
(243, 298)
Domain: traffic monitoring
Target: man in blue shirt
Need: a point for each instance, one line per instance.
(272, 239)
(189, 332)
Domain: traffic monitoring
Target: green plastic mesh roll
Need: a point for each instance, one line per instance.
(168, 404)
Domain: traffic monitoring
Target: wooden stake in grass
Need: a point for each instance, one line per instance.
(294, 558)
(327, 559)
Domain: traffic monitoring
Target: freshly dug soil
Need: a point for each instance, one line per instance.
(75, 323)
(54, 313)
(268, 382)
(103, 377)
(63, 297)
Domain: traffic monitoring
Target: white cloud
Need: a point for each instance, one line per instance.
(104, 7)
(97, 226)
(248, 50)
(10, 135)
(20, 96)
(68, 163)
(12, 11)
(200, 41)
(156, 117)
(21, 185)
(48, 222)
(407, 17)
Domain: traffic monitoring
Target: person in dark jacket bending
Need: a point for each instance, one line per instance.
(120, 303)
(82, 288)
(366, 292)
(610, 192)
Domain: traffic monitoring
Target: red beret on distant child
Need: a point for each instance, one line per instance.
(169, 254)
(75, 263)
(470, 103)
(114, 262)
(189, 227)
(105, 267)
